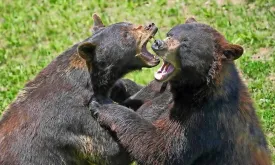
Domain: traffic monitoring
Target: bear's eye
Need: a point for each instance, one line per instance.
(183, 45)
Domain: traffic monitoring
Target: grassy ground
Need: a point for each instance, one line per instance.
(34, 32)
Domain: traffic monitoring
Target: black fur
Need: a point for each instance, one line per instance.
(211, 120)
(49, 122)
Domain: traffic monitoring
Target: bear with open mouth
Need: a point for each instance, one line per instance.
(211, 119)
(50, 123)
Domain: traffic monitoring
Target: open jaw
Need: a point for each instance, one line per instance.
(149, 59)
(164, 72)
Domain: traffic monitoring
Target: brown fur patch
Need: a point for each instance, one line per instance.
(161, 123)
(261, 157)
(216, 68)
(168, 126)
(246, 107)
(77, 62)
(140, 34)
(7, 139)
(12, 122)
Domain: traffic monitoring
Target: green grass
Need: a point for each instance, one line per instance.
(34, 32)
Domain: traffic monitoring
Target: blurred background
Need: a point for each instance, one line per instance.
(34, 32)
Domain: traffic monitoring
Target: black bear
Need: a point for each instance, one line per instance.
(50, 123)
(211, 119)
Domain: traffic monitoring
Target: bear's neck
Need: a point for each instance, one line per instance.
(189, 94)
(193, 96)
(103, 80)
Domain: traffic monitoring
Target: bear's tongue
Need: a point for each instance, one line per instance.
(164, 71)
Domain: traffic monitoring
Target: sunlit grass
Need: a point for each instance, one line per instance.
(34, 32)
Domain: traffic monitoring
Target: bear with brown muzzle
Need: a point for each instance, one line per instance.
(211, 119)
(116, 50)
(50, 123)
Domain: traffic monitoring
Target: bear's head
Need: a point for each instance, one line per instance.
(120, 46)
(115, 50)
(194, 53)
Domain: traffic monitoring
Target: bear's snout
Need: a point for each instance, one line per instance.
(158, 45)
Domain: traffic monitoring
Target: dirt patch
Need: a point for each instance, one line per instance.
(234, 2)
(271, 77)
(171, 3)
(264, 54)
(3, 89)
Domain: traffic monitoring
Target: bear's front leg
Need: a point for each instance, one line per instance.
(137, 135)
(112, 115)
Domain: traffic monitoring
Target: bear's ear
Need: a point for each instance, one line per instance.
(232, 52)
(97, 23)
(86, 50)
(190, 20)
